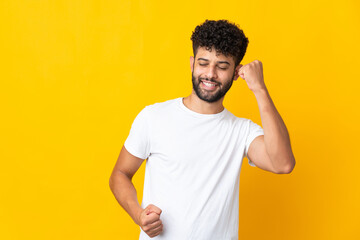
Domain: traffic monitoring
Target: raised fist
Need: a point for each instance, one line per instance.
(252, 73)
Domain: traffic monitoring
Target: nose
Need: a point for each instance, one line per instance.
(211, 72)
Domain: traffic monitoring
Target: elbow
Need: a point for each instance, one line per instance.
(112, 182)
(116, 178)
(289, 168)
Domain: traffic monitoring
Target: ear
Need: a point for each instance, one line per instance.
(192, 63)
(236, 76)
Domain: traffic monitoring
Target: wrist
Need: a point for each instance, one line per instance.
(260, 91)
(136, 212)
(137, 215)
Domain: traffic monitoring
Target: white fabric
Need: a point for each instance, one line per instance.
(193, 168)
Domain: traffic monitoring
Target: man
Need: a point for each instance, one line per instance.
(194, 146)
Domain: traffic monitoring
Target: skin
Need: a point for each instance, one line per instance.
(271, 151)
(125, 193)
(215, 68)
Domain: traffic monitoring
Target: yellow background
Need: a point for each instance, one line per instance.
(74, 74)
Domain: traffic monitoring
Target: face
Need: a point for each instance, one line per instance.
(212, 75)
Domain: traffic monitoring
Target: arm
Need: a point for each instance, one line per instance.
(124, 191)
(121, 185)
(276, 140)
(272, 151)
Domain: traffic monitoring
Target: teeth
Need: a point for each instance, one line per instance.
(209, 84)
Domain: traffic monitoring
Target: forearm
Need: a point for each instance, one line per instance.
(276, 136)
(125, 193)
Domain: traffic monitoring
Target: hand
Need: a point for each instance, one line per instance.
(252, 73)
(149, 220)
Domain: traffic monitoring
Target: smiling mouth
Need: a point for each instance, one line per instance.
(208, 85)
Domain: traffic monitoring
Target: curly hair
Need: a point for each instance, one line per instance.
(227, 38)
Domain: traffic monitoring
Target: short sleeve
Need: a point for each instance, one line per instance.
(137, 142)
(254, 130)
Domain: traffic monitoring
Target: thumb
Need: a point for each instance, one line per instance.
(242, 72)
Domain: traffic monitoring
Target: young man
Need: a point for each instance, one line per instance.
(194, 146)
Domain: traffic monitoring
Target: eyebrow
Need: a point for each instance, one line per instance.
(217, 61)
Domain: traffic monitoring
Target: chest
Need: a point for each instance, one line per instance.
(192, 143)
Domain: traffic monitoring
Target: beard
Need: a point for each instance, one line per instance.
(211, 96)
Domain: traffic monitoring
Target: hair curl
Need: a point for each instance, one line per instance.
(227, 38)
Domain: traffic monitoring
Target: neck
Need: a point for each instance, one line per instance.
(194, 103)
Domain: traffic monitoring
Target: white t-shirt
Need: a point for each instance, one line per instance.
(193, 168)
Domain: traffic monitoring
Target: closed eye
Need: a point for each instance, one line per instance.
(205, 64)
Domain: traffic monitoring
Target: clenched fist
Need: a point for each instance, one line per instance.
(252, 73)
(149, 220)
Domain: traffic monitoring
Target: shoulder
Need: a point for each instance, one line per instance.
(239, 121)
(163, 106)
